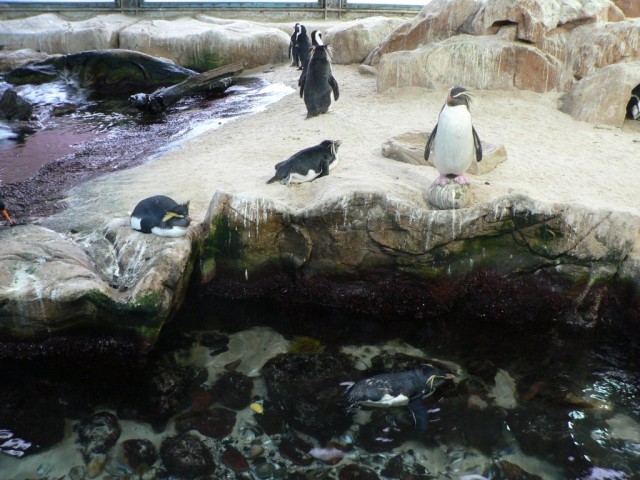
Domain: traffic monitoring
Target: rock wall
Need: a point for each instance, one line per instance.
(379, 254)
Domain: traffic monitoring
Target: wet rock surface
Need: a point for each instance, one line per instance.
(186, 456)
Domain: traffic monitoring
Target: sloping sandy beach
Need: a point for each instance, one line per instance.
(550, 156)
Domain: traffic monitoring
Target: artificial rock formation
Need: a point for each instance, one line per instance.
(115, 280)
(565, 254)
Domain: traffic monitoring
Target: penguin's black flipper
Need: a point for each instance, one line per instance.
(301, 82)
(420, 414)
(334, 87)
(477, 144)
(324, 168)
(427, 149)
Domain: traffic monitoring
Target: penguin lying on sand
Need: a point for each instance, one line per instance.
(308, 164)
(454, 140)
(5, 214)
(398, 389)
(318, 82)
(161, 215)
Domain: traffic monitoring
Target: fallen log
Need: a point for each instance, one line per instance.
(213, 81)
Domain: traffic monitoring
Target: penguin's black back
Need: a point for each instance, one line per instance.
(152, 210)
(318, 82)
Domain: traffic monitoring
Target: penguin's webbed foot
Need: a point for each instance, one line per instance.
(442, 180)
(462, 180)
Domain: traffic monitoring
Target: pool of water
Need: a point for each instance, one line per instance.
(535, 401)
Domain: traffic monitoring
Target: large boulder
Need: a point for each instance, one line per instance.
(631, 8)
(115, 281)
(12, 59)
(602, 96)
(14, 107)
(351, 42)
(478, 62)
(203, 45)
(438, 20)
(53, 34)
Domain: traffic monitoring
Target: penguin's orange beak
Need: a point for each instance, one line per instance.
(6, 215)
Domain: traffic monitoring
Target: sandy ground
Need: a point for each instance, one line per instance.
(550, 156)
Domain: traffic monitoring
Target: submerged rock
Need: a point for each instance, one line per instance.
(186, 456)
(14, 107)
(139, 453)
(232, 390)
(97, 435)
(214, 423)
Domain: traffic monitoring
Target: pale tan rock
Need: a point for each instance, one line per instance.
(485, 62)
(203, 46)
(53, 34)
(602, 96)
(630, 8)
(351, 42)
(438, 20)
(409, 148)
(12, 59)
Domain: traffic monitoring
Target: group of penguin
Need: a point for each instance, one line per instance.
(453, 141)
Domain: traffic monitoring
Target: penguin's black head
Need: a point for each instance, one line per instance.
(302, 30)
(331, 145)
(458, 96)
(316, 38)
(177, 216)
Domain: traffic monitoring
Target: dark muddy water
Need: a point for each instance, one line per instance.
(81, 135)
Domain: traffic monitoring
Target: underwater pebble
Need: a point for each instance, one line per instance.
(139, 452)
(354, 471)
(255, 451)
(264, 470)
(186, 456)
(233, 390)
(295, 449)
(233, 459)
(215, 423)
(78, 472)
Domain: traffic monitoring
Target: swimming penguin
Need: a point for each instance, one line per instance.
(633, 107)
(304, 46)
(316, 39)
(5, 214)
(318, 82)
(387, 390)
(454, 140)
(293, 47)
(161, 215)
(308, 164)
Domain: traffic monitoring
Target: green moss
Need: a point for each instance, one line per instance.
(204, 61)
(305, 346)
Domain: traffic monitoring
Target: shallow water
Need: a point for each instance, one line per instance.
(70, 119)
(558, 404)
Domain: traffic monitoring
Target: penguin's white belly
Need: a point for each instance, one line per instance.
(170, 232)
(387, 401)
(453, 149)
(298, 178)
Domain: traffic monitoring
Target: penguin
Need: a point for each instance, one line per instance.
(454, 139)
(318, 82)
(304, 46)
(293, 47)
(633, 107)
(161, 215)
(308, 164)
(316, 39)
(388, 390)
(5, 214)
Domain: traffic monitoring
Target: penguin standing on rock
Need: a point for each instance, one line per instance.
(318, 82)
(308, 164)
(454, 140)
(5, 214)
(161, 215)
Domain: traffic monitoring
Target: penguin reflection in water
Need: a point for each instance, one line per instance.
(308, 164)
(454, 140)
(388, 390)
(317, 83)
(161, 215)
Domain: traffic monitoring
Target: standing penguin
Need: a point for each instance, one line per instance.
(316, 39)
(318, 82)
(161, 215)
(5, 214)
(303, 45)
(633, 107)
(308, 164)
(454, 140)
(293, 47)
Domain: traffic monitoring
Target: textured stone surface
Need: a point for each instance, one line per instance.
(602, 96)
(351, 42)
(114, 278)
